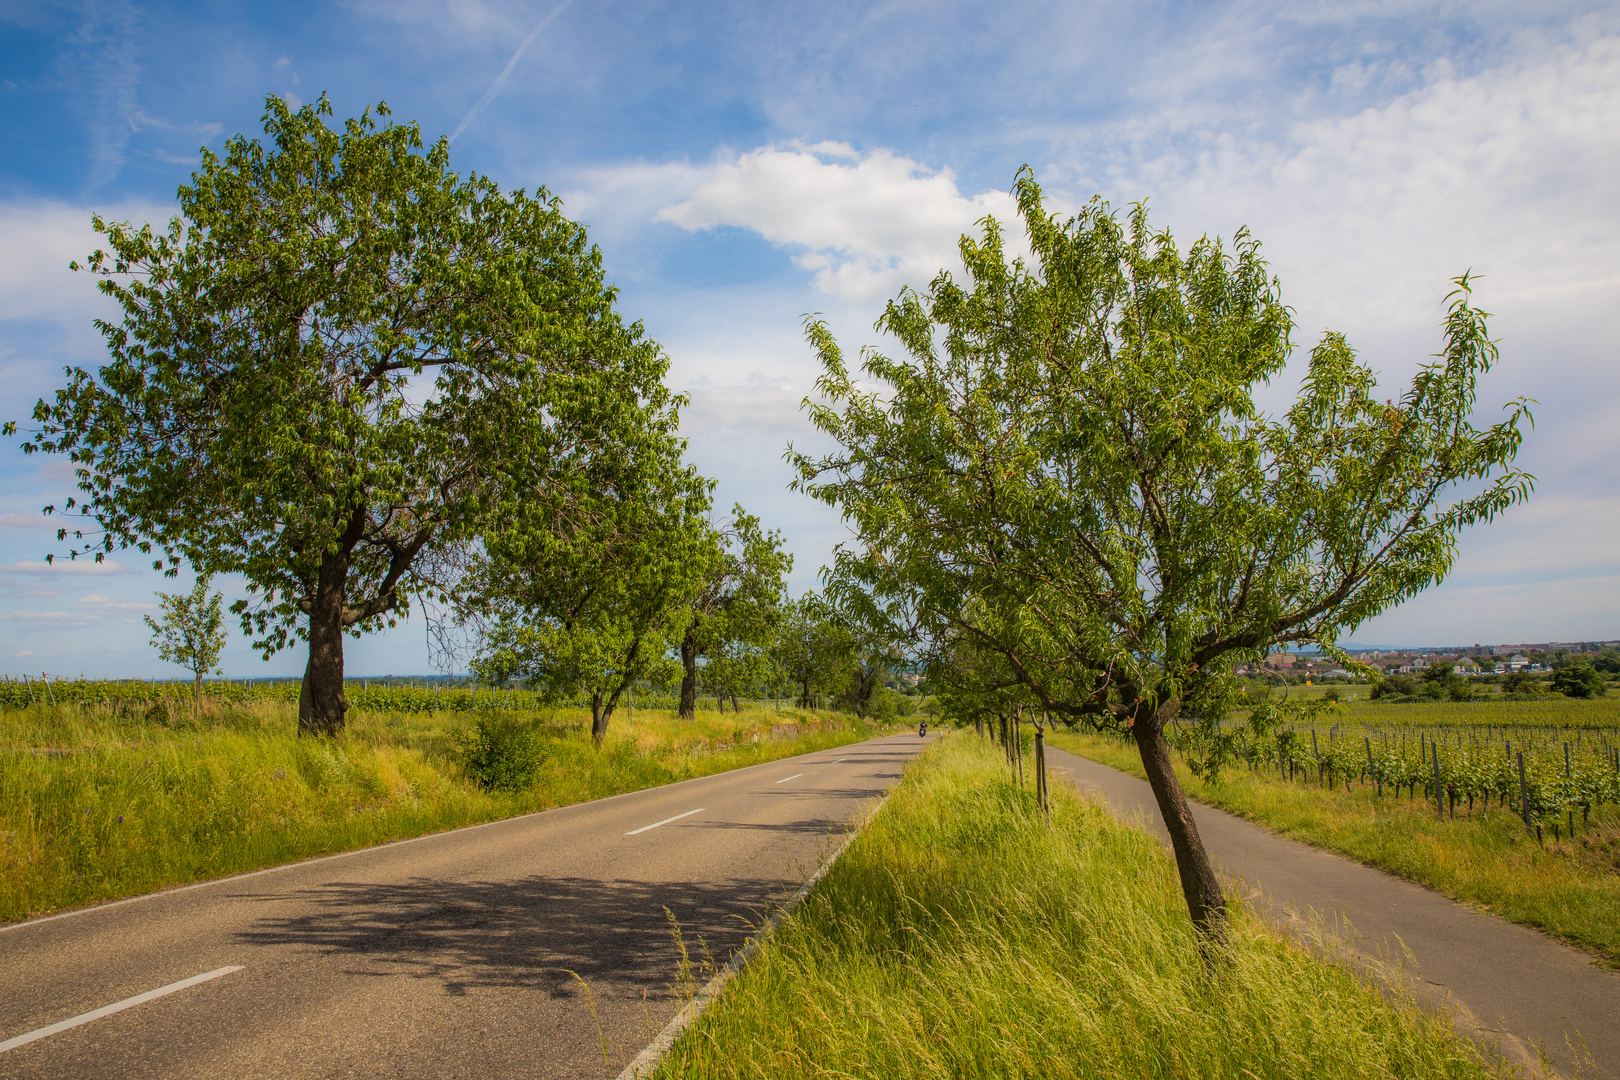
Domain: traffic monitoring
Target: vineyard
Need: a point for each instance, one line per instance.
(1531, 760)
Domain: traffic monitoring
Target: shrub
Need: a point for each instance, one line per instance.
(1394, 686)
(1578, 679)
(502, 754)
(1519, 682)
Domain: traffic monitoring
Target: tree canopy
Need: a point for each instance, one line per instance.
(735, 609)
(594, 598)
(1065, 473)
(339, 358)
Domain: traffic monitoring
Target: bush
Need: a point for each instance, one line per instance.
(1519, 682)
(502, 754)
(1394, 686)
(1578, 679)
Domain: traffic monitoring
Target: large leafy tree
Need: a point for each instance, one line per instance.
(1066, 470)
(340, 358)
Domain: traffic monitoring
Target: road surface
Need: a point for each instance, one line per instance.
(537, 946)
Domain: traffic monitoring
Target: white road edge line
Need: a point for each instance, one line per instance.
(117, 1006)
(785, 779)
(836, 762)
(666, 821)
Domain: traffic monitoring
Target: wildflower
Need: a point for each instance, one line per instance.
(120, 819)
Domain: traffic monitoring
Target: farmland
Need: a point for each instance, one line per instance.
(1435, 793)
(110, 789)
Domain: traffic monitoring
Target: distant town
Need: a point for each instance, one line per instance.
(1463, 660)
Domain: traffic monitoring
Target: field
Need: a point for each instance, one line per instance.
(117, 789)
(1434, 793)
(961, 935)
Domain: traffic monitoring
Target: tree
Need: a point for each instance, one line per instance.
(1578, 679)
(265, 409)
(191, 633)
(813, 648)
(597, 599)
(1067, 466)
(734, 612)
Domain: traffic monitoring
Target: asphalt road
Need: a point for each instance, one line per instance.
(1509, 983)
(537, 946)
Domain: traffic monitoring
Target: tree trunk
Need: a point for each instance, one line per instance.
(978, 724)
(688, 708)
(602, 711)
(1199, 884)
(196, 695)
(805, 701)
(321, 703)
(736, 706)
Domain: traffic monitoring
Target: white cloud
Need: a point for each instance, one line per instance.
(27, 521)
(108, 603)
(38, 239)
(862, 223)
(106, 567)
(52, 620)
(1512, 171)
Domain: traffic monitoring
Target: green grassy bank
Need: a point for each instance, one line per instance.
(99, 801)
(1567, 888)
(962, 936)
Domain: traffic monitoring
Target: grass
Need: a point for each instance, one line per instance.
(1570, 889)
(107, 800)
(1491, 710)
(962, 936)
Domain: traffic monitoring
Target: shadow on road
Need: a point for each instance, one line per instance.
(528, 933)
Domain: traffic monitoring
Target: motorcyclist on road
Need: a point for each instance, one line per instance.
(922, 729)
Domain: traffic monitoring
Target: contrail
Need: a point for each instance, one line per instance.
(500, 80)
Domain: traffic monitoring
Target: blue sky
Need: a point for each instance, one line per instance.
(742, 164)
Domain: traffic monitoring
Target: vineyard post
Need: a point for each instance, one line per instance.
(51, 693)
(1439, 796)
(1371, 772)
(1524, 793)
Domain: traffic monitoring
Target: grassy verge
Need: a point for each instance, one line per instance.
(1570, 889)
(961, 936)
(98, 802)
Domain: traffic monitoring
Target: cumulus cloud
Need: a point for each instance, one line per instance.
(862, 223)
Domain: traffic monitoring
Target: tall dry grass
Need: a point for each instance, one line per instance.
(962, 936)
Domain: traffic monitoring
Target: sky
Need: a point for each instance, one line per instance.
(744, 164)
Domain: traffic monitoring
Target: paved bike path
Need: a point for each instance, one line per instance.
(1507, 982)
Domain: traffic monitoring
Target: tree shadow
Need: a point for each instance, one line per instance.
(533, 932)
